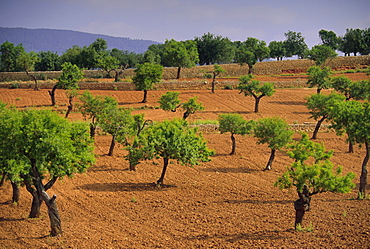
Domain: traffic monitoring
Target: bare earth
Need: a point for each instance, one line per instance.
(226, 203)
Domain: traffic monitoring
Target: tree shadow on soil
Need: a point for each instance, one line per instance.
(232, 238)
(231, 170)
(219, 112)
(105, 168)
(288, 102)
(260, 201)
(114, 187)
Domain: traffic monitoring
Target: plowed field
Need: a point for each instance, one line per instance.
(226, 203)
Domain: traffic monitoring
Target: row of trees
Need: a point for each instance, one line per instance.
(208, 49)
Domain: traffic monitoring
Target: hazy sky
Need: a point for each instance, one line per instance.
(159, 20)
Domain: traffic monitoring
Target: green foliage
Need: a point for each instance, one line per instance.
(170, 101)
(9, 55)
(254, 88)
(49, 61)
(214, 49)
(319, 77)
(147, 75)
(43, 142)
(71, 74)
(119, 123)
(320, 53)
(319, 176)
(27, 61)
(329, 38)
(192, 106)
(277, 50)
(272, 131)
(235, 124)
(170, 139)
(319, 104)
(294, 44)
(305, 148)
(180, 54)
(92, 106)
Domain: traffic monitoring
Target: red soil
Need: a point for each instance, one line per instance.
(226, 203)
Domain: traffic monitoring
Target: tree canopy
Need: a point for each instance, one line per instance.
(255, 89)
(275, 133)
(147, 76)
(312, 178)
(235, 124)
(171, 140)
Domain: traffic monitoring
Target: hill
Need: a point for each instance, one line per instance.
(60, 40)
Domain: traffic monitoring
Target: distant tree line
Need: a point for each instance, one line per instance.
(205, 50)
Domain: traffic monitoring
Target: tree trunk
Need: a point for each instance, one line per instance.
(350, 145)
(145, 96)
(213, 83)
(33, 77)
(317, 128)
(165, 164)
(318, 90)
(16, 192)
(2, 179)
(92, 130)
(52, 95)
(55, 222)
(256, 103)
(250, 69)
(36, 204)
(271, 159)
(178, 73)
(233, 144)
(363, 177)
(112, 144)
(185, 115)
(70, 107)
(301, 206)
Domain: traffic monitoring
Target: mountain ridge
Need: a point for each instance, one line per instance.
(59, 40)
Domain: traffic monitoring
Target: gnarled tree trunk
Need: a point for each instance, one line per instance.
(363, 177)
(165, 164)
(271, 159)
(233, 144)
(16, 192)
(145, 96)
(112, 145)
(301, 206)
(52, 95)
(317, 128)
(55, 222)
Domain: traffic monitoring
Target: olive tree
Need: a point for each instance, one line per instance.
(275, 133)
(320, 54)
(235, 124)
(93, 106)
(180, 54)
(119, 123)
(310, 177)
(147, 76)
(171, 140)
(353, 117)
(319, 106)
(255, 89)
(46, 147)
(27, 62)
(217, 70)
(171, 102)
(319, 77)
(71, 74)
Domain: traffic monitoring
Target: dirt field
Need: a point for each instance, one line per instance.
(226, 203)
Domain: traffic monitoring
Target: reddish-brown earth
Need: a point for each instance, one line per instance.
(226, 203)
